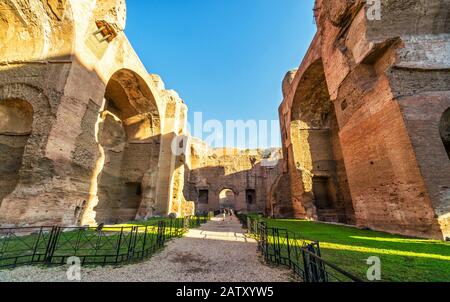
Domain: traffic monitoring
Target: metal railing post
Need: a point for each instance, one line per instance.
(36, 246)
(119, 245)
(130, 245)
(288, 249)
(51, 248)
(144, 242)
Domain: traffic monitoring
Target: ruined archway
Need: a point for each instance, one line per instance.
(444, 129)
(16, 120)
(128, 134)
(316, 150)
(227, 199)
(25, 119)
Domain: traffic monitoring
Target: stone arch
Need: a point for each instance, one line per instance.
(128, 134)
(444, 130)
(222, 187)
(16, 119)
(316, 150)
(25, 117)
(227, 198)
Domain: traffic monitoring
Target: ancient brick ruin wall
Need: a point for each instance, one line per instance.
(99, 121)
(389, 83)
(366, 115)
(95, 139)
(241, 175)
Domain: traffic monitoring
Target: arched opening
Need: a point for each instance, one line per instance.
(16, 120)
(227, 199)
(444, 129)
(129, 139)
(317, 151)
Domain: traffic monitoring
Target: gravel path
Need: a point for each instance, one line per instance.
(217, 252)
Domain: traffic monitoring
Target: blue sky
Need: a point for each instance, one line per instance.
(225, 58)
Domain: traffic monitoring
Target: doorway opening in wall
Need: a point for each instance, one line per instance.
(133, 191)
(203, 196)
(16, 120)
(444, 129)
(322, 194)
(227, 199)
(250, 196)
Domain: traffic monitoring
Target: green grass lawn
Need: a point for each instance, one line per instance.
(402, 258)
(111, 242)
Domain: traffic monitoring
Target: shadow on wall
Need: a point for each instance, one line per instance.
(67, 145)
(317, 158)
(16, 121)
(129, 142)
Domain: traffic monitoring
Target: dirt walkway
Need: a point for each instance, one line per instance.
(218, 251)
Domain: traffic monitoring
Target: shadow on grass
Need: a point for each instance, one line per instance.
(110, 245)
(402, 258)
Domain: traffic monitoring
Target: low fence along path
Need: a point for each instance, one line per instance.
(217, 251)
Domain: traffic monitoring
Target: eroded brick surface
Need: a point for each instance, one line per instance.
(388, 82)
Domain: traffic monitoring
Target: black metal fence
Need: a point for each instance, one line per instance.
(93, 246)
(303, 256)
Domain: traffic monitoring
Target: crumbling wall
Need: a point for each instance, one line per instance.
(42, 28)
(388, 81)
(383, 64)
(60, 56)
(246, 173)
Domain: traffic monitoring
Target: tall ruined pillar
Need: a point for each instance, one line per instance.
(170, 179)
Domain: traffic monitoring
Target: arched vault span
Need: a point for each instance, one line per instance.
(129, 137)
